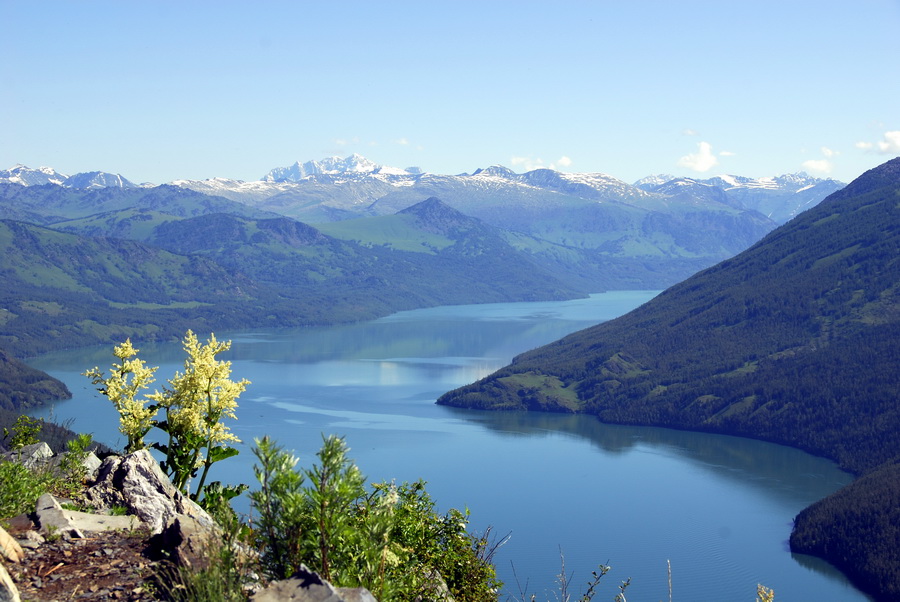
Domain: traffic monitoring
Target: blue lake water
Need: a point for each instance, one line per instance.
(718, 508)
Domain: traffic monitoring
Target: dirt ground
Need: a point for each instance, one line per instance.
(102, 566)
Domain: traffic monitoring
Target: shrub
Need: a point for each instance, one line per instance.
(389, 540)
(21, 488)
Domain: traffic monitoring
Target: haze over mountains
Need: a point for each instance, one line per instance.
(598, 232)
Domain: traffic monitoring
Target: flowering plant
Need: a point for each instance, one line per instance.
(121, 387)
(195, 403)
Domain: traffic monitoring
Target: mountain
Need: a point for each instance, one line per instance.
(795, 340)
(25, 176)
(470, 263)
(598, 231)
(355, 164)
(650, 236)
(97, 179)
(76, 285)
(21, 386)
(779, 198)
(52, 205)
(63, 290)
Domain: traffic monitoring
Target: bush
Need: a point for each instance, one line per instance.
(21, 488)
(389, 540)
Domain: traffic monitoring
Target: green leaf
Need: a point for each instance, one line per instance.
(221, 453)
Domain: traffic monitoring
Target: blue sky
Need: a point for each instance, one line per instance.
(164, 90)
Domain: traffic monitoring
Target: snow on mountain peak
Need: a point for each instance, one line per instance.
(332, 166)
(26, 176)
(496, 171)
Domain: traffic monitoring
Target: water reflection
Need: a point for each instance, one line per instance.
(747, 461)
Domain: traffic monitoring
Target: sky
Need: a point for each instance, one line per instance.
(163, 90)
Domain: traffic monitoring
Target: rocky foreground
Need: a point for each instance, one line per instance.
(97, 552)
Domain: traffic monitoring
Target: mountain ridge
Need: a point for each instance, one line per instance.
(336, 170)
(795, 340)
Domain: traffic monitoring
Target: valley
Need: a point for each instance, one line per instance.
(738, 348)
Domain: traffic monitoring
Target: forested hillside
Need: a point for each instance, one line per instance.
(796, 340)
(22, 386)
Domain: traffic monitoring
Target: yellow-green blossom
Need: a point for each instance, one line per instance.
(126, 380)
(196, 401)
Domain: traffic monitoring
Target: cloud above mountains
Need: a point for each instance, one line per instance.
(701, 161)
(821, 166)
(888, 145)
(530, 163)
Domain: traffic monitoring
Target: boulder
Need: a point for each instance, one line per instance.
(138, 483)
(53, 518)
(19, 524)
(91, 464)
(186, 542)
(307, 586)
(30, 456)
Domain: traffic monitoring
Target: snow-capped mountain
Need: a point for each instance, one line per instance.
(779, 198)
(591, 225)
(97, 179)
(334, 166)
(26, 176)
(336, 188)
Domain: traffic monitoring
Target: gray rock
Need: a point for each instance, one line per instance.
(91, 464)
(30, 540)
(56, 519)
(30, 456)
(52, 518)
(8, 590)
(19, 524)
(356, 594)
(186, 542)
(307, 586)
(138, 483)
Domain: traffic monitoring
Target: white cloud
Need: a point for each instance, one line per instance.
(701, 161)
(690, 132)
(821, 166)
(527, 163)
(402, 142)
(531, 163)
(829, 153)
(889, 145)
(727, 154)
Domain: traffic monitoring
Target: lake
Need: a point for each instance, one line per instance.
(718, 508)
